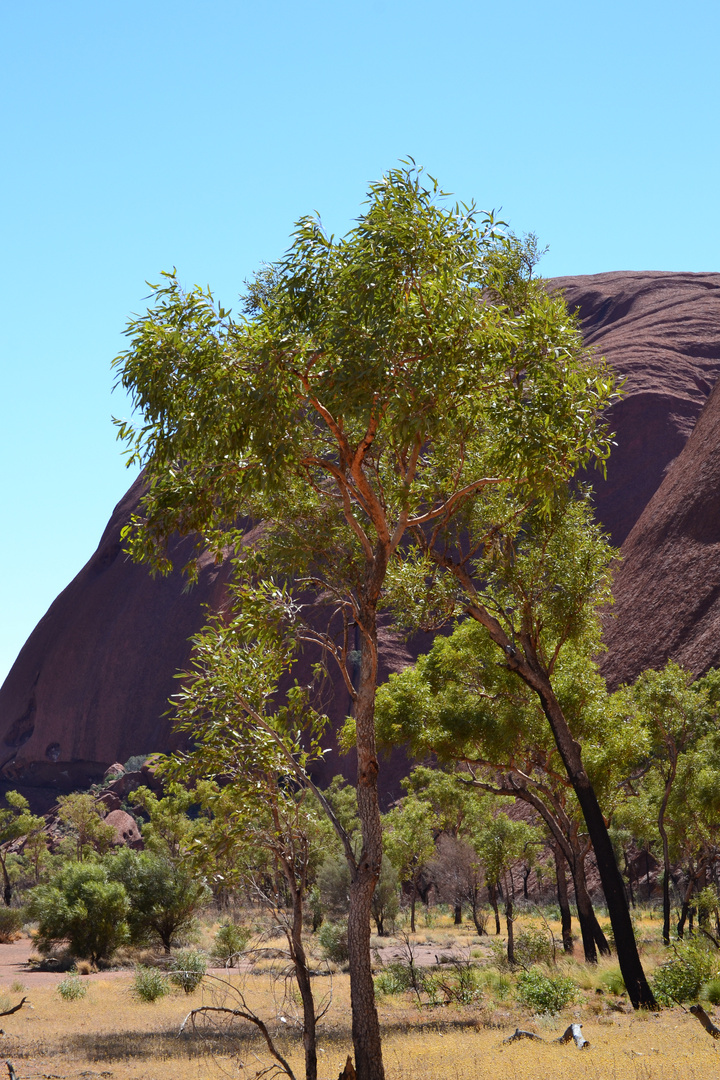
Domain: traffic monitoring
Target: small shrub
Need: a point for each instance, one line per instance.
(230, 940)
(333, 942)
(612, 979)
(497, 984)
(149, 984)
(545, 994)
(72, 988)
(11, 924)
(461, 985)
(711, 991)
(394, 979)
(189, 967)
(681, 976)
(16, 987)
(533, 946)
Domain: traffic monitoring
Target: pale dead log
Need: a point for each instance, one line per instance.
(574, 1032)
(520, 1034)
(699, 1012)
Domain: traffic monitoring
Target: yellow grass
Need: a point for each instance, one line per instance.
(109, 1034)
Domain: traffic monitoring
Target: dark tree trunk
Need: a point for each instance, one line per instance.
(413, 898)
(458, 914)
(365, 1025)
(493, 898)
(563, 901)
(509, 919)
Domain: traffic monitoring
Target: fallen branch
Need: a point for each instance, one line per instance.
(205, 1010)
(520, 1034)
(699, 1012)
(574, 1032)
(9, 1012)
(12, 1075)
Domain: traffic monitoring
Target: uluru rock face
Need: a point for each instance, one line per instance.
(667, 587)
(661, 333)
(91, 685)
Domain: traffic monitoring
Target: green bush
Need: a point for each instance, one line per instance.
(460, 984)
(613, 980)
(544, 993)
(711, 991)
(189, 967)
(334, 942)
(533, 946)
(82, 906)
(681, 976)
(149, 984)
(230, 940)
(72, 988)
(11, 924)
(393, 979)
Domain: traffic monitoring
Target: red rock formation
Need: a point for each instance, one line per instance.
(91, 684)
(661, 333)
(667, 587)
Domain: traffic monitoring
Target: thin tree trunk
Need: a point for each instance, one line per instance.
(458, 914)
(306, 995)
(365, 1025)
(563, 901)
(492, 897)
(413, 898)
(666, 854)
(509, 919)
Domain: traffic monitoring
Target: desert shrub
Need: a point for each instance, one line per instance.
(72, 988)
(333, 940)
(393, 979)
(230, 940)
(333, 880)
(496, 983)
(149, 984)
(711, 991)
(461, 984)
(613, 980)
(164, 897)
(82, 906)
(545, 993)
(533, 946)
(681, 976)
(11, 924)
(189, 967)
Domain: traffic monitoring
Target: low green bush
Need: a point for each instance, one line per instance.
(189, 967)
(533, 946)
(149, 984)
(393, 979)
(11, 924)
(230, 940)
(72, 988)
(711, 991)
(333, 940)
(544, 993)
(680, 978)
(613, 980)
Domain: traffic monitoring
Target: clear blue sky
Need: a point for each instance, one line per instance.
(141, 136)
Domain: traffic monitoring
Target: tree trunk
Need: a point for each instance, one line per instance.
(492, 897)
(7, 887)
(563, 902)
(509, 919)
(582, 898)
(413, 898)
(458, 914)
(666, 854)
(303, 980)
(365, 1025)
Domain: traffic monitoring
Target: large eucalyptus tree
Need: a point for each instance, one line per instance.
(375, 385)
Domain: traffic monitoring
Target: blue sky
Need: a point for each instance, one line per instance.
(141, 136)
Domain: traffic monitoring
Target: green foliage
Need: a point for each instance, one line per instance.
(332, 938)
(545, 993)
(533, 945)
(333, 881)
(83, 906)
(82, 820)
(229, 942)
(164, 896)
(613, 980)
(188, 970)
(711, 991)
(72, 988)
(149, 984)
(394, 978)
(11, 924)
(681, 976)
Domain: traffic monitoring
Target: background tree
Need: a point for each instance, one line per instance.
(16, 821)
(378, 384)
(81, 820)
(82, 906)
(410, 842)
